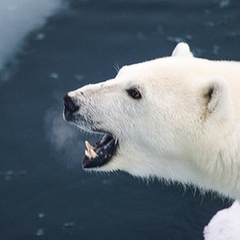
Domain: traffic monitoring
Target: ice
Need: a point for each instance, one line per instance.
(54, 75)
(11, 174)
(225, 225)
(68, 225)
(40, 232)
(224, 3)
(41, 215)
(18, 19)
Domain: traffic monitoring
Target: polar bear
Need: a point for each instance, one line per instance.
(175, 118)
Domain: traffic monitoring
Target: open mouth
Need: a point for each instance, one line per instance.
(100, 153)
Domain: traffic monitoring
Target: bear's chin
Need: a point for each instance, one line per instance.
(100, 153)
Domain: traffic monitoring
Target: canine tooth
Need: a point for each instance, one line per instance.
(88, 145)
(88, 154)
(93, 153)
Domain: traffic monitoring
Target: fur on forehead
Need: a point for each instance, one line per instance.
(150, 67)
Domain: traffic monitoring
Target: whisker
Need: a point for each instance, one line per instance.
(116, 67)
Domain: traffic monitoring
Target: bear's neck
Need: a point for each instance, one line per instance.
(222, 174)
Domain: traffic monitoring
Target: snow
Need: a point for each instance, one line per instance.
(19, 18)
(225, 225)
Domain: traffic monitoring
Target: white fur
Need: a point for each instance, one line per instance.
(186, 126)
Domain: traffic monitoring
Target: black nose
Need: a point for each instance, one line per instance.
(69, 104)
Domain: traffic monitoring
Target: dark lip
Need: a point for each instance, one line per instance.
(69, 104)
(105, 149)
(67, 115)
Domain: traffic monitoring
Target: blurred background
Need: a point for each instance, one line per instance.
(49, 47)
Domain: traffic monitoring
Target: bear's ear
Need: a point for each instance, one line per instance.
(182, 50)
(216, 97)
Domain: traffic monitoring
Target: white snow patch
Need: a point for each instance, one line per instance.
(17, 19)
(225, 225)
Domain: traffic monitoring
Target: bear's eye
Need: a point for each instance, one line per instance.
(134, 93)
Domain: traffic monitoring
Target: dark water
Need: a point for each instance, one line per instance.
(44, 193)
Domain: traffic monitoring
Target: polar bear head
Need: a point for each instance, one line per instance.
(164, 118)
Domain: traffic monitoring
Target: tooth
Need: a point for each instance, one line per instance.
(104, 138)
(88, 154)
(88, 145)
(93, 153)
(109, 144)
